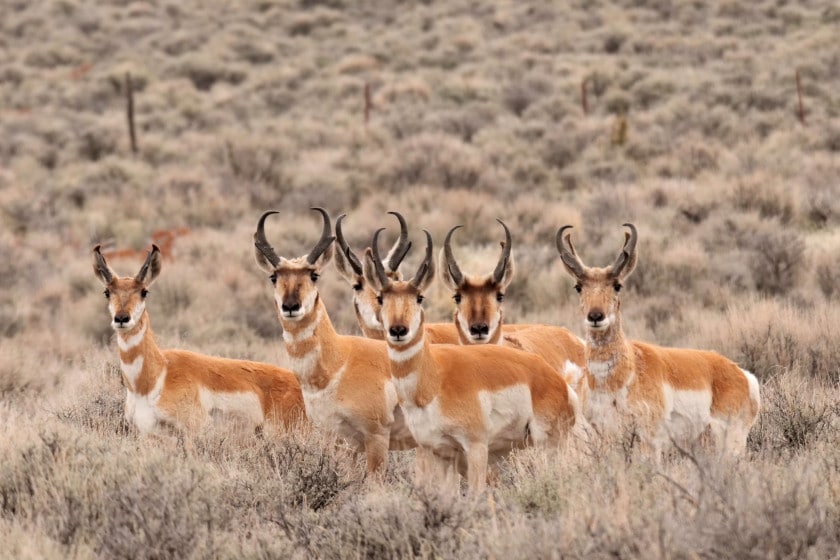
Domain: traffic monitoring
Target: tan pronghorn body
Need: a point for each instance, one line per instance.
(467, 405)
(346, 380)
(365, 304)
(182, 388)
(479, 317)
(669, 394)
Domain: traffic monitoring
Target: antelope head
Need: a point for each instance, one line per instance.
(478, 299)
(127, 296)
(295, 290)
(599, 287)
(401, 310)
(365, 301)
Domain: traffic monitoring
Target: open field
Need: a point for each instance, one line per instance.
(693, 133)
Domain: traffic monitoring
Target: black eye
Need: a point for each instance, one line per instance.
(144, 292)
(273, 278)
(500, 297)
(379, 299)
(314, 276)
(617, 287)
(357, 286)
(578, 288)
(107, 294)
(420, 298)
(457, 298)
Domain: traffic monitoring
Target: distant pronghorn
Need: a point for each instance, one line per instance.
(670, 394)
(467, 405)
(180, 387)
(365, 303)
(163, 238)
(479, 316)
(346, 380)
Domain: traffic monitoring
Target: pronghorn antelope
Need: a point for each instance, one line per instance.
(365, 303)
(467, 405)
(178, 387)
(345, 380)
(479, 316)
(669, 394)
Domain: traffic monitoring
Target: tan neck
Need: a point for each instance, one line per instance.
(314, 348)
(414, 371)
(609, 357)
(141, 361)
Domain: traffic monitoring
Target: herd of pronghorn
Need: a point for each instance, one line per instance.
(465, 393)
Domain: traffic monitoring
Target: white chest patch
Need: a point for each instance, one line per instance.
(304, 366)
(406, 386)
(323, 410)
(132, 370)
(600, 370)
(142, 410)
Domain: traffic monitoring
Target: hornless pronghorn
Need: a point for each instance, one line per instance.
(178, 387)
(479, 317)
(669, 394)
(467, 405)
(346, 380)
(365, 303)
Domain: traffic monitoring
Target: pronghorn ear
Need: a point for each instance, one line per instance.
(101, 270)
(151, 268)
(345, 268)
(370, 275)
(446, 273)
(509, 269)
(263, 262)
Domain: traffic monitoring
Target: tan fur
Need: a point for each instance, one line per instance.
(360, 408)
(187, 373)
(645, 375)
(442, 388)
(478, 302)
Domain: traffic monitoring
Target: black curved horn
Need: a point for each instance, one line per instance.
(326, 237)
(261, 243)
(454, 271)
(627, 251)
(400, 249)
(568, 254)
(499, 273)
(427, 265)
(377, 261)
(355, 264)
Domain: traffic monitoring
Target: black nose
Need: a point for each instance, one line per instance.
(479, 329)
(398, 331)
(595, 316)
(291, 307)
(122, 318)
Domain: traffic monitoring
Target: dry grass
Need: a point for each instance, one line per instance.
(692, 133)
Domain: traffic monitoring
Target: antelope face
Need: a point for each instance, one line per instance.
(401, 312)
(478, 312)
(295, 289)
(365, 297)
(599, 287)
(127, 296)
(478, 300)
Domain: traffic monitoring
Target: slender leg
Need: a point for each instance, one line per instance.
(376, 454)
(477, 467)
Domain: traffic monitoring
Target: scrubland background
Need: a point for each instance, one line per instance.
(692, 134)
